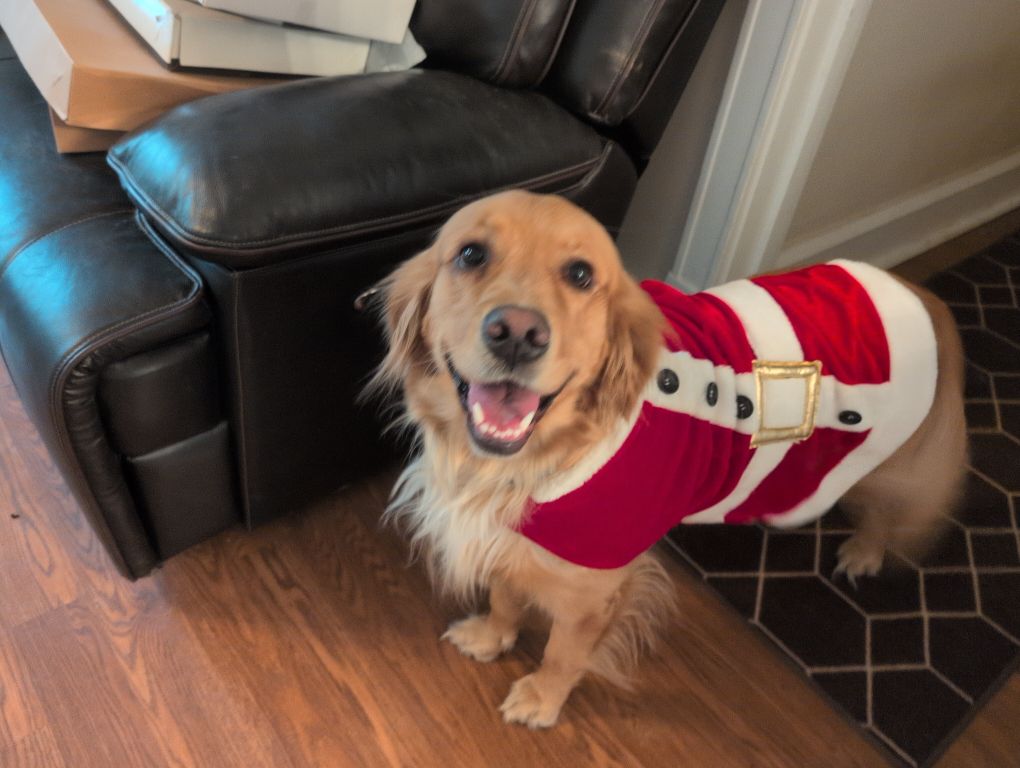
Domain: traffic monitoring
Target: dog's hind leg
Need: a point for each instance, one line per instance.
(891, 511)
(906, 502)
(484, 637)
(863, 553)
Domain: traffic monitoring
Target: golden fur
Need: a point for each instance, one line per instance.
(461, 504)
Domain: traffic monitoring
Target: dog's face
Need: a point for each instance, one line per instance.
(518, 320)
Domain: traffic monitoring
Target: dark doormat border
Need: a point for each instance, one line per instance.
(887, 748)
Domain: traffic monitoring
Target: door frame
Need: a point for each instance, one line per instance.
(789, 65)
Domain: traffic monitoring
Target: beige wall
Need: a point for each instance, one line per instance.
(932, 94)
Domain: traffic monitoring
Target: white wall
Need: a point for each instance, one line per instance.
(924, 138)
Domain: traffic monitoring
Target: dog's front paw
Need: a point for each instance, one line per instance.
(859, 557)
(476, 637)
(528, 705)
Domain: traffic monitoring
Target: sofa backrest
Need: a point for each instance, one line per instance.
(619, 64)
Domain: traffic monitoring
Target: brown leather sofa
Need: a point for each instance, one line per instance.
(179, 322)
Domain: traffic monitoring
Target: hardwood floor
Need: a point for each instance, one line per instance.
(310, 642)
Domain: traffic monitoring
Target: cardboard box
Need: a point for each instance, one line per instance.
(384, 20)
(94, 71)
(187, 34)
(71, 139)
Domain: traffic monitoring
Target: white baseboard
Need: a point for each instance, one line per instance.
(912, 225)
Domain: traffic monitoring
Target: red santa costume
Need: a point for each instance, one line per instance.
(772, 398)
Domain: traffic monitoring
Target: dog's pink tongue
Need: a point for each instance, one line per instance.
(504, 405)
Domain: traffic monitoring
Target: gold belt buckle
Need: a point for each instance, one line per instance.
(766, 370)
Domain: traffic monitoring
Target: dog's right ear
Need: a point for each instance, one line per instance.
(636, 329)
(404, 300)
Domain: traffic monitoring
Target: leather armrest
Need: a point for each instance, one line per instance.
(249, 179)
(72, 302)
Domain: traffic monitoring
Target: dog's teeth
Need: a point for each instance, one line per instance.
(489, 429)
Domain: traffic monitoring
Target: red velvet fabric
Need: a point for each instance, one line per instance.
(798, 475)
(624, 508)
(702, 325)
(835, 321)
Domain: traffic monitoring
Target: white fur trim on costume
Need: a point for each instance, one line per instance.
(768, 329)
(694, 376)
(564, 482)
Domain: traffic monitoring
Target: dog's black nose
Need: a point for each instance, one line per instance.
(515, 334)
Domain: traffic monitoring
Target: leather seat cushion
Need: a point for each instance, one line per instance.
(245, 182)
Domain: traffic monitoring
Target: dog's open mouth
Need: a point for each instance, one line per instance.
(500, 415)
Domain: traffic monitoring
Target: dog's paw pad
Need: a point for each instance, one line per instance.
(476, 637)
(858, 557)
(526, 705)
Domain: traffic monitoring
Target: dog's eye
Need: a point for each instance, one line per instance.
(579, 274)
(472, 255)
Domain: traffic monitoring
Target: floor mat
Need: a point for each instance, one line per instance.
(911, 654)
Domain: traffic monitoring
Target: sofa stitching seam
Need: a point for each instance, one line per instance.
(42, 236)
(643, 31)
(559, 42)
(242, 432)
(589, 177)
(692, 12)
(516, 37)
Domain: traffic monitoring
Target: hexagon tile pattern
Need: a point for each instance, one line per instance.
(912, 653)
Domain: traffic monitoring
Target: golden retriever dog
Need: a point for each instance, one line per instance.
(519, 343)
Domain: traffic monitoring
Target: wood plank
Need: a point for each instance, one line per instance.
(242, 603)
(95, 717)
(205, 721)
(26, 551)
(138, 692)
(38, 750)
(991, 739)
(20, 716)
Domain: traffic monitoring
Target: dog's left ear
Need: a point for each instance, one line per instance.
(635, 333)
(404, 298)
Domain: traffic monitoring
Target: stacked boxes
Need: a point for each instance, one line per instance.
(106, 71)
